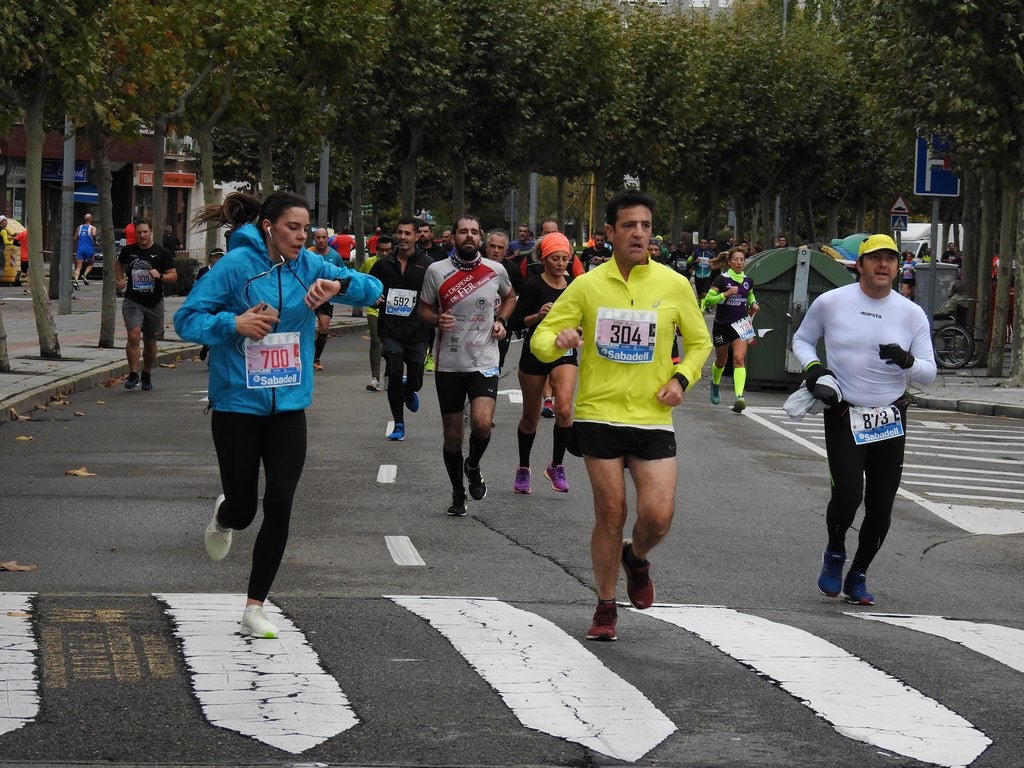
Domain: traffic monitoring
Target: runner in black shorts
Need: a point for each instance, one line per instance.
(469, 300)
(534, 303)
(732, 294)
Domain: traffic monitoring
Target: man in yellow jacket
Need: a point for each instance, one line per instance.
(623, 317)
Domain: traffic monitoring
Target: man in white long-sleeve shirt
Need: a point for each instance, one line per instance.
(876, 342)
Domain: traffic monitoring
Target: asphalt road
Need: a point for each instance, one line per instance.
(115, 674)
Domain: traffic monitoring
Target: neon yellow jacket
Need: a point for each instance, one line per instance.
(626, 393)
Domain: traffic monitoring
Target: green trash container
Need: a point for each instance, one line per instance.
(786, 281)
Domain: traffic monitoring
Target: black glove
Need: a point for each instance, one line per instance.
(894, 354)
(815, 372)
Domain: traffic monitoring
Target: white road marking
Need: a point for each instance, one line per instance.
(1004, 644)
(547, 678)
(274, 691)
(858, 700)
(390, 428)
(986, 520)
(19, 680)
(402, 551)
(514, 395)
(387, 473)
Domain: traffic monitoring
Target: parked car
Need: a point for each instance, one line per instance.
(97, 261)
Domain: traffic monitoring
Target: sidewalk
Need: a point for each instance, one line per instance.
(33, 380)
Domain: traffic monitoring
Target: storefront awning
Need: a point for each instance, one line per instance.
(86, 192)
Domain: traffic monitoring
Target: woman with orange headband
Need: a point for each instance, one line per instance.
(539, 293)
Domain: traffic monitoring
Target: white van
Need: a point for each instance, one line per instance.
(917, 238)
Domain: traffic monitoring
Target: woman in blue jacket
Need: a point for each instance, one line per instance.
(255, 312)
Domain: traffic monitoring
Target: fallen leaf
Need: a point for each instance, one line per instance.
(60, 397)
(13, 566)
(40, 407)
(168, 365)
(111, 383)
(80, 472)
(19, 615)
(55, 401)
(79, 413)
(101, 402)
(24, 437)
(15, 416)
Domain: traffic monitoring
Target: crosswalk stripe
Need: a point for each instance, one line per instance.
(387, 473)
(402, 550)
(547, 678)
(274, 691)
(860, 701)
(973, 519)
(1004, 644)
(19, 681)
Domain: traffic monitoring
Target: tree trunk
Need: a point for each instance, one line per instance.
(522, 198)
(1017, 350)
(49, 346)
(159, 162)
(767, 211)
(357, 206)
(1008, 219)
(600, 202)
(560, 201)
(676, 227)
(102, 178)
(969, 249)
(983, 305)
(299, 168)
(204, 136)
(408, 170)
(741, 219)
(265, 140)
(458, 188)
(812, 231)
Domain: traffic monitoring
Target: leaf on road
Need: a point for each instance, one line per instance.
(40, 407)
(101, 402)
(111, 383)
(80, 472)
(79, 413)
(15, 416)
(24, 437)
(13, 566)
(168, 365)
(60, 398)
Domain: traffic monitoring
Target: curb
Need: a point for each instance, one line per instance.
(974, 407)
(103, 372)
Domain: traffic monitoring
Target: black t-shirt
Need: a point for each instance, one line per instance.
(136, 262)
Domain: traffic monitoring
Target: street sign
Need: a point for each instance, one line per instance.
(900, 206)
(933, 174)
(898, 222)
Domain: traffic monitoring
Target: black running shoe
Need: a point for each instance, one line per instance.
(458, 506)
(477, 486)
(133, 380)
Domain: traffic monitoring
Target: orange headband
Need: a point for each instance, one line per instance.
(555, 241)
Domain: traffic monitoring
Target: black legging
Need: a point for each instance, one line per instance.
(242, 442)
(412, 365)
(877, 467)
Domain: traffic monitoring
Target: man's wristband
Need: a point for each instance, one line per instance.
(682, 380)
(503, 321)
(344, 283)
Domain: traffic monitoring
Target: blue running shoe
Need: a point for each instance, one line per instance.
(399, 431)
(831, 577)
(855, 589)
(412, 402)
(716, 395)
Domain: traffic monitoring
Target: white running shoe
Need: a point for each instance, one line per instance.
(218, 541)
(256, 624)
(373, 386)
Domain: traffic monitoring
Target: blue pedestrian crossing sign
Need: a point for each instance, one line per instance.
(898, 222)
(933, 174)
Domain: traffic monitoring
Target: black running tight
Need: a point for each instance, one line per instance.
(861, 472)
(243, 441)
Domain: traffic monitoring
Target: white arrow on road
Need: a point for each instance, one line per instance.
(547, 678)
(274, 691)
(860, 701)
(19, 683)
